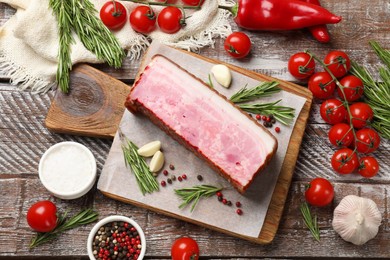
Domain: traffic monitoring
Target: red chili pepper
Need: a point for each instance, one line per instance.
(319, 32)
(272, 15)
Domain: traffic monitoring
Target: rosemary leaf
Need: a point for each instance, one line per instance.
(144, 177)
(192, 195)
(281, 113)
(310, 222)
(82, 218)
(264, 89)
(377, 94)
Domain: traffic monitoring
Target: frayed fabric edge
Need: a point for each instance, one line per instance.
(20, 78)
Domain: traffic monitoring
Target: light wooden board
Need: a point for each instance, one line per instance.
(281, 190)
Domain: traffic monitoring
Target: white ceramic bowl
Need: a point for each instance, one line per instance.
(68, 170)
(117, 218)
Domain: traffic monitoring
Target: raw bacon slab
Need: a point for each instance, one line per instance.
(230, 141)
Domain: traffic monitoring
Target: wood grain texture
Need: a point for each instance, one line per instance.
(24, 137)
(93, 107)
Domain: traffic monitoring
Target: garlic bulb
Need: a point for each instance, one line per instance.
(356, 219)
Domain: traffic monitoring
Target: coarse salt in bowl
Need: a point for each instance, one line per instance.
(108, 221)
(68, 170)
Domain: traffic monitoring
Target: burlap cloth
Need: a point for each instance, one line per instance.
(29, 39)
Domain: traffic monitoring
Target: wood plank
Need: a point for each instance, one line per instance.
(292, 239)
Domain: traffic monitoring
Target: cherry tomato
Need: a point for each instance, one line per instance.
(319, 193)
(341, 135)
(353, 88)
(333, 111)
(338, 63)
(301, 65)
(344, 161)
(238, 45)
(113, 14)
(193, 2)
(42, 216)
(361, 114)
(170, 19)
(367, 140)
(321, 85)
(368, 167)
(143, 19)
(185, 248)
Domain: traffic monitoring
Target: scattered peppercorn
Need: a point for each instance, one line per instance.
(229, 203)
(220, 198)
(169, 180)
(179, 178)
(264, 118)
(199, 177)
(171, 166)
(184, 177)
(239, 211)
(165, 172)
(219, 194)
(277, 129)
(238, 204)
(163, 183)
(258, 117)
(224, 201)
(173, 177)
(117, 240)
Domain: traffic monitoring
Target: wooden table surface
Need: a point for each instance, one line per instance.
(24, 138)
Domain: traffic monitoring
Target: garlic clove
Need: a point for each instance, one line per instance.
(222, 75)
(356, 219)
(157, 162)
(149, 149)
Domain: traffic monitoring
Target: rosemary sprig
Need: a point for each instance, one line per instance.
(377, 94)
(62, 9)
(145, 179)
(80, 16)
(310, 222)
(281, 113)
(96, 37)
(82, 218)
(194, 194)
(264, 89)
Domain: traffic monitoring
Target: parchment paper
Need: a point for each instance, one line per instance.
(119, 180)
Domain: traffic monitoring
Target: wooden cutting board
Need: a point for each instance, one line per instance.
(93, 107)
(100, 118)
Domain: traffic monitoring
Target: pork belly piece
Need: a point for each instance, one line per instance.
(201, 119)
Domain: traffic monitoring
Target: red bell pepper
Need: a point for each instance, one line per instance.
(319, 32)
(271, 15)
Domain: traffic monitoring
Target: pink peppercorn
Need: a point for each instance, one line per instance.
(258, 117)
(239, 211)
(277, 129)
(163, 183)
(184, 177)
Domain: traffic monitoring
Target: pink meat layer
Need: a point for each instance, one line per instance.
(213, 126)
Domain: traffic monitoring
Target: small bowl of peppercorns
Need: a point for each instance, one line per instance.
(116, 237)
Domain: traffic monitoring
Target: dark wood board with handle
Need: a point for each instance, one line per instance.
(70, 123)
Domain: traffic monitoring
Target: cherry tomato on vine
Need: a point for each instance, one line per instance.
(361, 114)
(301, 65)
(321, 85)
(143, 19)
(338, 63)
(185, 248)
(333, 111)
(113, 14)
(367, 140)
(238, 45)
(42, 216)
(341, 135)
(170, 19)
(193, 2)
(353, 88)
(319, 193)
(344, 161)
(368, 167)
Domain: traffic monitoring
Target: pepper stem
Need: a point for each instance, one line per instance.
(233, 9)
